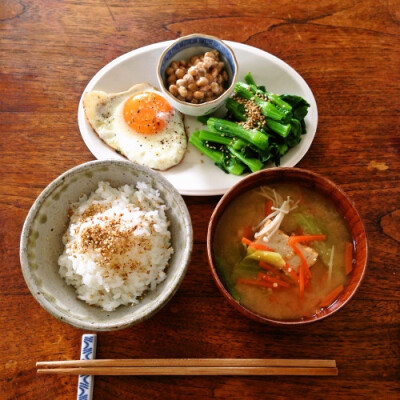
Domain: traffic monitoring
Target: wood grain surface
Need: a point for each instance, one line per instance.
(347, 51)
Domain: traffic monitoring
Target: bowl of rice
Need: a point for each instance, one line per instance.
(106, 245)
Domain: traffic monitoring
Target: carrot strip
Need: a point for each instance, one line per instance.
(268, 207)
(254, 282)
(261, 275)
(277, 273)
(292, 273)
(306, 238)
(328, 300)
(349, 257)
(272, 279)
(246, 241)
(256, 246)
(267, 267)
(284, 278)
(248, 232)
(306, 269)
(259, 246)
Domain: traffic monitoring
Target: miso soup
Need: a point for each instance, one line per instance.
(283, 251)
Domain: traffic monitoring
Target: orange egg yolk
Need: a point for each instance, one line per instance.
(142, 112)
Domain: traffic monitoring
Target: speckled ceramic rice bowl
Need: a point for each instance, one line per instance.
(44, 238)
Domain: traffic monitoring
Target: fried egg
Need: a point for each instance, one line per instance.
(140, 124)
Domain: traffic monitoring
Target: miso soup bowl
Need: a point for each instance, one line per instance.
(313, 182)
(42, 244)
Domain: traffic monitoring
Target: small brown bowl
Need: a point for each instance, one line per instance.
(321, 185)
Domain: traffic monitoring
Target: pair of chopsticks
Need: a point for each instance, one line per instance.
(203, 366)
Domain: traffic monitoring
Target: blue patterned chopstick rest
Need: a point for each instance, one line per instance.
(88, 352)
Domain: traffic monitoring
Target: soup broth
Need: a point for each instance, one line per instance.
(275, 291)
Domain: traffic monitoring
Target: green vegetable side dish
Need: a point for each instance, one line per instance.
(259, 127)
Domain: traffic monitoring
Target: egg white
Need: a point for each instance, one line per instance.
(161, 150)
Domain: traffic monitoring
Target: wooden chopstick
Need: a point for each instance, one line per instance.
(189, 367)
(190, 362)
(190, 371)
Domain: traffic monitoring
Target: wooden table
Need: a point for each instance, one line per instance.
(348, 52)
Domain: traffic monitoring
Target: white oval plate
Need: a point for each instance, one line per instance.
(196, 175)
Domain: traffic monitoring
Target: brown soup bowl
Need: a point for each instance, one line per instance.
(313, 182)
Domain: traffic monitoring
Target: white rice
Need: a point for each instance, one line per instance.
(117, 245)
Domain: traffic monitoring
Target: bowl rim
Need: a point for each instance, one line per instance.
(216, 101)
(221, 207)
(163, 297)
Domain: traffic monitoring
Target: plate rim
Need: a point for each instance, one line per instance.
(235, 45)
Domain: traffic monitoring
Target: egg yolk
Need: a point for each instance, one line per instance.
(143, 112)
